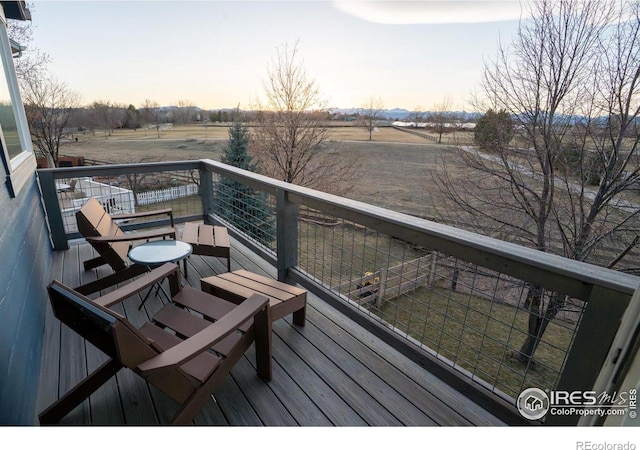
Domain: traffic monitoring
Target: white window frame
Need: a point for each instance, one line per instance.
(21, 168)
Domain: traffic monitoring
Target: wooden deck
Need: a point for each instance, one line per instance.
(331, 372)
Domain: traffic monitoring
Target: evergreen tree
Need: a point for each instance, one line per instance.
(238, 203)
(494, 130)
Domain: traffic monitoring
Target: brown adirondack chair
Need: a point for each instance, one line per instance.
(188, 364)
(112, 244)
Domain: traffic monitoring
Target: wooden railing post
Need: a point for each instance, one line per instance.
(52, 210)
(591, 343)
(287, 234)
(206, 192)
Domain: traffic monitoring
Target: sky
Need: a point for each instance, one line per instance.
(414, 55)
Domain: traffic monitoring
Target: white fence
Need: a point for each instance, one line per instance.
(116, 200)
(163, 195)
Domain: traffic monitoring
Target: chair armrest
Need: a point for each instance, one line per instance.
(157, 212)
(143, 235)
(137, 285)
(199, 342)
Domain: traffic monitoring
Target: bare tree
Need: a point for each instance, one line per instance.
(150, 114)
(108, 115)
(439, 118)
(565, 188)
(32, 62)
(372, 112)
(48, 107)
(416, 117)
(289, 132)
(184, 111)
(139, 182)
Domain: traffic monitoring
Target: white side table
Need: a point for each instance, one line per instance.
(156, 253)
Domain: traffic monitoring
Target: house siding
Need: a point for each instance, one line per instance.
(25, 265)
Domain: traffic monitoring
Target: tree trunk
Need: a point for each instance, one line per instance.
(540, 315)
(51, 163)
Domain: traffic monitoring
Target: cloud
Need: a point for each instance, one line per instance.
(431, 12)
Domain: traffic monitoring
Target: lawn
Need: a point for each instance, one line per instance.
(394, 170)
(480, 336)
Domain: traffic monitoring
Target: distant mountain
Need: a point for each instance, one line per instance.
(389, 114)
(395, 113)
(403, 114)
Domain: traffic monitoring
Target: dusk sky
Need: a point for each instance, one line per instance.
(215, 54)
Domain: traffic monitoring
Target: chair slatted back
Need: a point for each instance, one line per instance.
(93, 220)
(105, 329)
(84, 317)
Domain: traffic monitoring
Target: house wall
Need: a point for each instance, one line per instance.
(25, 263)
(25, 248)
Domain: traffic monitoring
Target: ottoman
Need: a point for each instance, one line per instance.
(239, 285)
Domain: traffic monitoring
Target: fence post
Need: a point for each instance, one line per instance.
(52, 210)
(591, 344)
(382, 287)
(206, 193)
(432, 271)
(286, 233)
(454, 278)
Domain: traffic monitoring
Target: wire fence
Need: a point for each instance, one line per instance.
(129, 193)
(246, 210)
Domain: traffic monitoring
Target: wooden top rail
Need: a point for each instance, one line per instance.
(571, 277)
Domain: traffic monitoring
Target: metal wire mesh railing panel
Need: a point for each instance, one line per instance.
(504, 333)
(338, 252)
(246, 210)
(132, 192)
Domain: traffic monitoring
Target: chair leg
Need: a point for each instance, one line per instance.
(94, 262)
(262, 331)
(79, 393)
(299, 316)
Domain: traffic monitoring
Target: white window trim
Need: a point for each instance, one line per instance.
(21, 168)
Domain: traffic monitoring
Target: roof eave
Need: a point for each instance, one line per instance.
(16, 10)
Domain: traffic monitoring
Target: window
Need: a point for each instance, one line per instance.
(17, 151)
(8, 119)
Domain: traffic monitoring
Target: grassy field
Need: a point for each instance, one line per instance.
(394, 169)
(480, 336)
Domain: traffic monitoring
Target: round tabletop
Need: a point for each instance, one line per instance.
(156, 253)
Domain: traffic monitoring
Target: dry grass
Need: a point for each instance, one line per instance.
(394, 169)
(480, 336)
